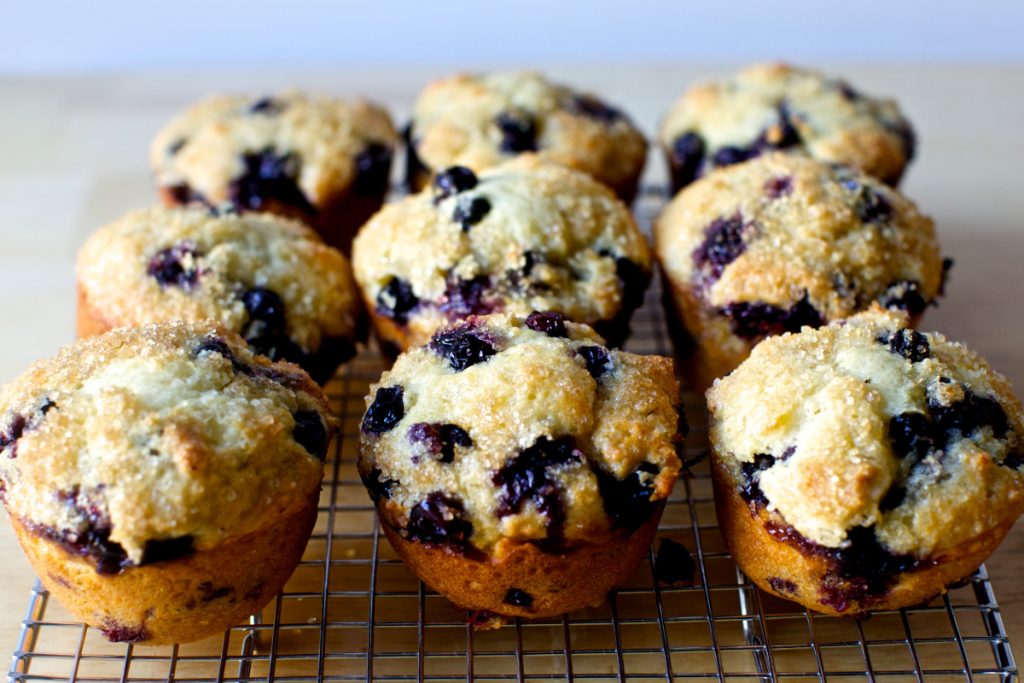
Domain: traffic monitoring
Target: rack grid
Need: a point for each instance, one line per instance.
(352, 612)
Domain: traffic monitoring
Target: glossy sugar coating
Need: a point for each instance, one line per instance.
(548, 238)
(615, 413)
(770, 106)
(173, 434)
(163, 264)
(204, 147)
(479, 121)
(812, 241)
(865, 423)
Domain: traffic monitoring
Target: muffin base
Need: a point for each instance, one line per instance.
(557, 582)
(337, 221)
(786, 571)
(180, 600)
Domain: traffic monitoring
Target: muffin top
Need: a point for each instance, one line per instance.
(868, 424)
(295, 148)
(526, 429)
(781, 241)
(479, 121)
(268, 278)
(144, 444)
(777, 106)
(526, 235)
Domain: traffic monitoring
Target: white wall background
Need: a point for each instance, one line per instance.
(105, 35)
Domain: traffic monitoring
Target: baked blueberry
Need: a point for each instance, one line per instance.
(597, 359)
(310, 433)
(440, 440)
(373, 170)
(549, 322)
(452, 181)
(396, 299)
(176, 265)
(470, 210)
(722, 244)
(518, 131)
(385, 412)
(674, 563)
(463, 346)
(440, 519)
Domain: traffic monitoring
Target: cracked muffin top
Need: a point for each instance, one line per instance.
(866, 425)
(295, 148)
(526, 429)
(527, 235)
(147, 443)
(479, 121)
(265, 277)
(777, 106)
(782, 241)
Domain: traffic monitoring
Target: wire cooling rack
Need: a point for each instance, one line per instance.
(352, 612)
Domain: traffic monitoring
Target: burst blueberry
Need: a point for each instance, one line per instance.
(269, 176)
(550, 323)
(440, 440)
(470, 210)
(594, 108)
(723, 243)
(628, 501)
(753, 319)
(687, 155)
(396, 300)
(463, 346)
(373, 170)
(176, 266)
(440, 519)
(597, 359)
(908, 343)
(310, 433)
(518, 131)
(674, 564)
(387, 410)
(527, 477)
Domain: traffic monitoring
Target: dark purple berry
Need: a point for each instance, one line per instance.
(674, 563)
(90, 535)
(10, 434)
(470, 210)
(727, 156)
(378, 488)
(396, 300)
(452, 181)
(466, 297)
(750, 490)
(167, 549)
(169, 268)
(686, 156)
(780, 585)
(779, 186)
(269, 176)
(866, 567)
(908, 343)
(463, 346)
(846, 90)
(628, 501)
(518, 131)
(592, 107)
(550, 323)
(751, 320)
(440, 519)
(265, 306)
(525, 478)
(123, 633)
(265, 331)
(440, 440)
(969, 415)
(904, 295)
(723, 243)
(268, 106)
(788, 136)
(373, 170)
(911, 435)
(517, 597)
(387, 409)
(311, 433)
(597, 358)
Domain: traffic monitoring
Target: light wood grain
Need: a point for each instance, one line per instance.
(73, 156)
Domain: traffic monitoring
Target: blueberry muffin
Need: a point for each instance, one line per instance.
(775, 106)
(780, 242)
(325, 161)
(269, 278)
(519, 466)
(163, 480)
(527, 235)
(478, 121)
(864, 466)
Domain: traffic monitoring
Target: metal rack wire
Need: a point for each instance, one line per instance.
(352, 612)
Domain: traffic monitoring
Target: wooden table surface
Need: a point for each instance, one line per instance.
(73, 156)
